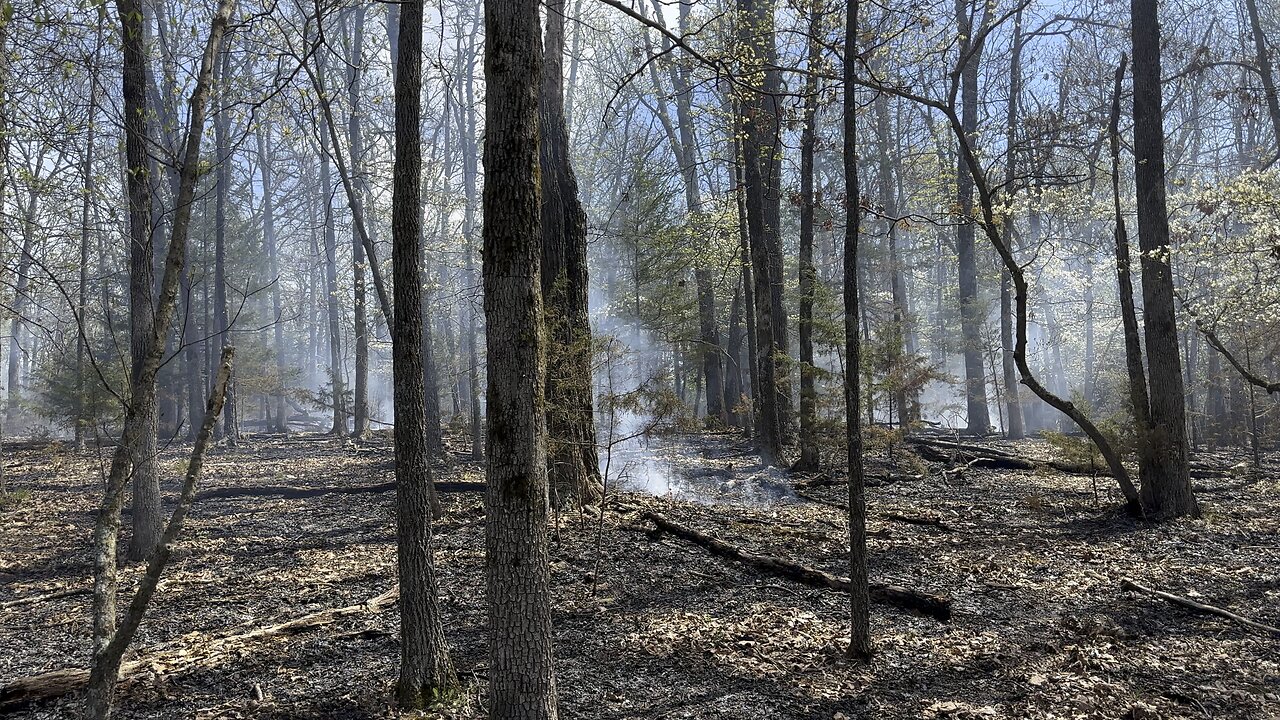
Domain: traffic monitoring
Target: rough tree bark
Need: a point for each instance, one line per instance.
(521, 674)
(137, 421)
(979, 416)
(572, 461)
(808, 460)
(426, 671)
(146, 508)
(360, 306)
(761, 180)
(859, 592)
(1166, 491)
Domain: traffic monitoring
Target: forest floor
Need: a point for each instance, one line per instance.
(650, 626)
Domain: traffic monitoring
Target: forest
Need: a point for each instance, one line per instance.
(536, 359)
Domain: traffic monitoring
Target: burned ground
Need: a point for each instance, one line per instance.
(649, 626)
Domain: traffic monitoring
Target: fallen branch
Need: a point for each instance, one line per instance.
(1128, 584)
(934, 606)
(33, 599)
(188, 653)
(913, 520)
(288, 492)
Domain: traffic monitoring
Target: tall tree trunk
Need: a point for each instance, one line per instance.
(1138, 400)
(337, 381)
(572, 461)
(897, 288)
(979, 417)
(359, 261)
(470, 167)
(521, 674)
(20, 292)
(859, 590)
(269, 245)
(426, 671)
(83, 418)
(1167, 491)
(221, 130)
(1014, 428)
(762, 179)
(146, 508)
(139, 417)
(809, 460)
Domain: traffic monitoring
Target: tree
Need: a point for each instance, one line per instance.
(1166, 488)
(572, 461)
(979, 416)
(426, 671)
(222, 145)
(859, 590)
(808, 460)
(521, 676)
(146, 508)
(762, 176)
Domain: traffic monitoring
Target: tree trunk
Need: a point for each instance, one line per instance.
(139, 419)
(572, 461)
(521, 674)
(426, 671)
(146, 508)
(1166, 492)
(269, 245)
(337, 382)
(221, 129)
(971, 311)
(860, 646)
(355, 139)
(1014, 428)
(809, 460)
(762, 181)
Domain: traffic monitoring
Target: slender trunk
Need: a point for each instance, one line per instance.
(426, 671)
(470, 166)
(1263, 59)
(971, 311)
(221, 130)
(1014, 427)
(359, 260)
(338, 394)
(809, 459)
(859, 592)
(269, 245)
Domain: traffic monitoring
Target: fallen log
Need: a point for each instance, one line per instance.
(945, 451)
(290, 493)
(934, 606)
(182, 655)
(1200, 607)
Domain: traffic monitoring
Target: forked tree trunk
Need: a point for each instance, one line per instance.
(137, 422)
